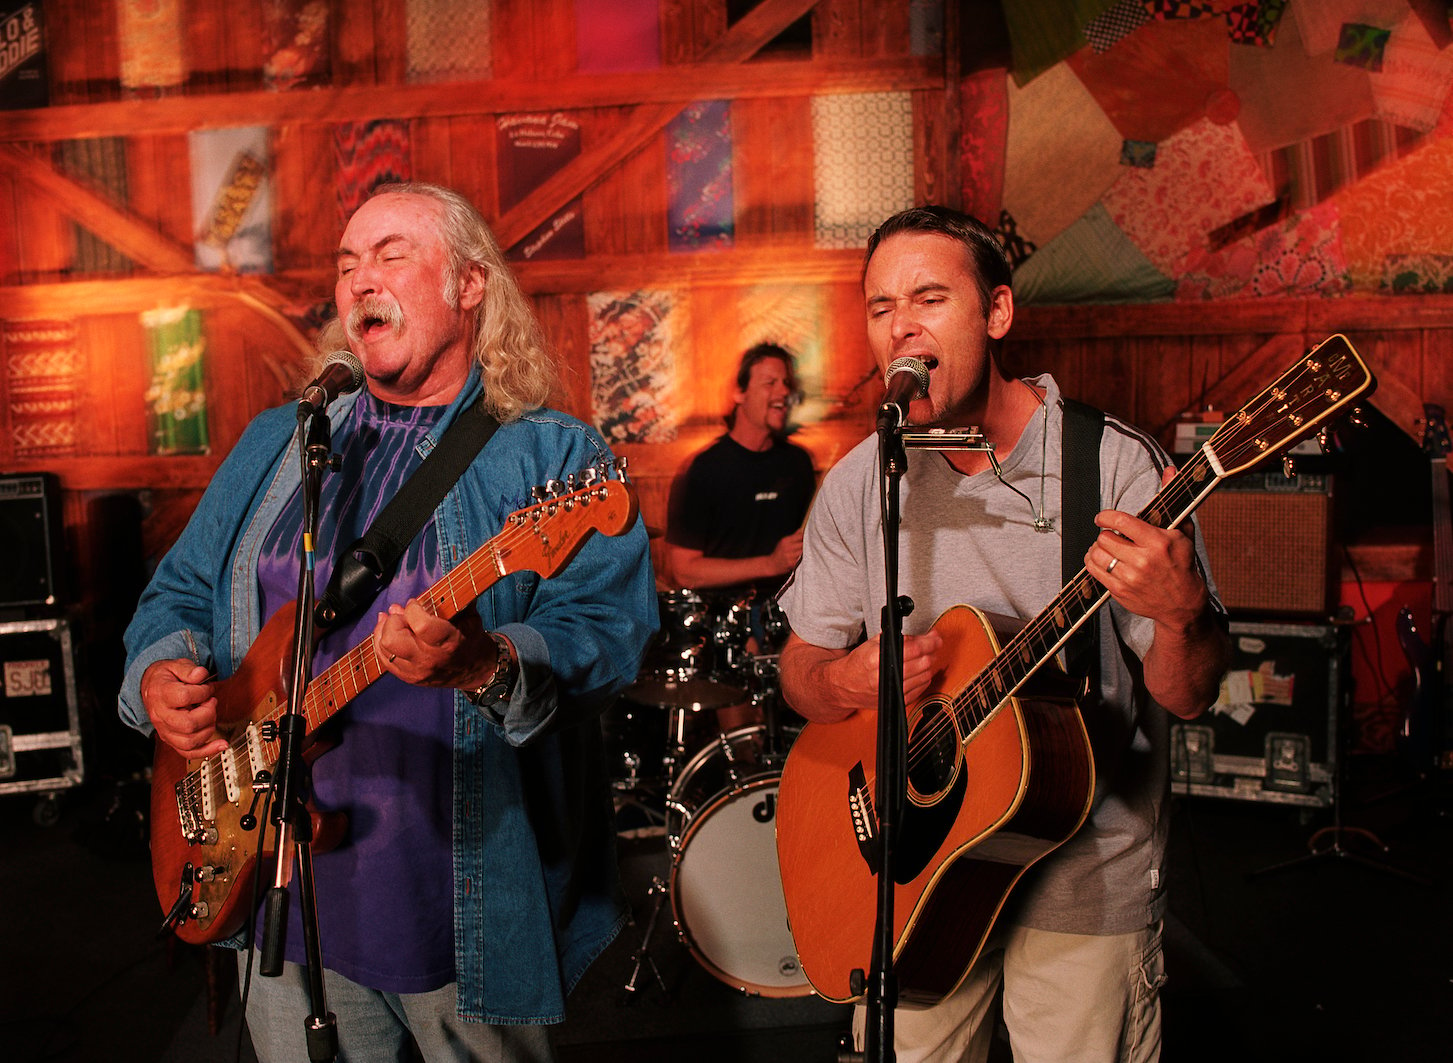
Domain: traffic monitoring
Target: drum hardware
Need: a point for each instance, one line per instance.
(692, 663)
(642, 956)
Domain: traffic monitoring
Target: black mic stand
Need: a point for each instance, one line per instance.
(881, 983)
(294, 830)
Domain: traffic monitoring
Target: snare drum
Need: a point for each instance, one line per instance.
(690, 664)
(726, 887)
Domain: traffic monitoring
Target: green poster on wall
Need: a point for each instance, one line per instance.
(176, 401)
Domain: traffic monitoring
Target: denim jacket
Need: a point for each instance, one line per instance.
(536, 895)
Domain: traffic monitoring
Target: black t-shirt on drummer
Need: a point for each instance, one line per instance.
(735, 502)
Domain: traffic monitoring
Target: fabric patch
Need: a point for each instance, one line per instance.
(42, 375)
(1138, 153)
(1362, 46)
(1315, 169)
(1302, 257)
(621, 35)
(1123, 19)
(1178, 9)
(1277, 87)
(1042, 33)
(1061, 155)
(150, 37)
(297, 42)
(1318, 23)
(1203, 178)
(699, 203)
(1406, 208)
(1090, 262)
(1413, 84)
(369, 154)
(1160, 79)
(176, 399)
(231, 199)
(99, 163)
(530, 149)
(447, 40)
(1015, 246)
(632, 372)
(1255, 23)
(862, 164)
(1418, 274)
(983, 137)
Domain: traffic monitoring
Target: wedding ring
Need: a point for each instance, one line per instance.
(1108, 569)
(393, 655)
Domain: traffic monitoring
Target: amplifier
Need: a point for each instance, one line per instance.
(30, 538)
(1272, 734)
(1270, 542)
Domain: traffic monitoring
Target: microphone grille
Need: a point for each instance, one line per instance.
(908, 364)
(351, 362)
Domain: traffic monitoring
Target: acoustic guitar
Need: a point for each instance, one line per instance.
(205, 811)
(999, 773)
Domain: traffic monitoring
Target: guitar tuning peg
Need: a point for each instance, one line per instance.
(1288, 466)
(570, 483)
(589, 476)
(621, 463)
(554, 488)
(537, 493)
(1354, 417)
(1324, 440)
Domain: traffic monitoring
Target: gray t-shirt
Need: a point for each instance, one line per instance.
(971, 540)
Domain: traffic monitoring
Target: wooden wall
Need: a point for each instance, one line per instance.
(1147, 363)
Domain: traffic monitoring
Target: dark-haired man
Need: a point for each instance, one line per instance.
(1078, 950)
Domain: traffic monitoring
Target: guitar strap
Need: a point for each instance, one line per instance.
(362, 570)
(1079, 502)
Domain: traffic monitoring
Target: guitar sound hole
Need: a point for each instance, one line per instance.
(933, 752)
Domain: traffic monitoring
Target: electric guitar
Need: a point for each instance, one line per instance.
(205, 811)
(1423, 730)
(999, 773)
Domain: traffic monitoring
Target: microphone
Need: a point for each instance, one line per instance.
(906, 380)
(342, 372)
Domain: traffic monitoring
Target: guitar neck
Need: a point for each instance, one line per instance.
(1442, 541)
(1039, 640)
(356, 670)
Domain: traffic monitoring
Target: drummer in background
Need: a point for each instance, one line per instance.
(734, 525)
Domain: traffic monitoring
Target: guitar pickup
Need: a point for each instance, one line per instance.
(865, 816)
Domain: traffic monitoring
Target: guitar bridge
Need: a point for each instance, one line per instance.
(865, 816)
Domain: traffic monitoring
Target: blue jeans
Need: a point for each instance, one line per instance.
(377, 1027)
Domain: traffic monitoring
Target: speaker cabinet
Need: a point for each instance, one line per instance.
(30, 537)
(1270, 541)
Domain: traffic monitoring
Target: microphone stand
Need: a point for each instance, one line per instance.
(881, 984)
(293, 824)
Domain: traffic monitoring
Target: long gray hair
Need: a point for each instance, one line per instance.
(520, 374)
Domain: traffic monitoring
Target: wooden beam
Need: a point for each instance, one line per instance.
(135, 239)
(720, 79)
(143, 244)
(741, 42)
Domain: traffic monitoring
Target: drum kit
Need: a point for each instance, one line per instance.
(696, 748)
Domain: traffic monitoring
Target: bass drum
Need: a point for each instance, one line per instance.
(726, 887)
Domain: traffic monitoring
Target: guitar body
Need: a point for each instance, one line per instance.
(1020, 787)
(223, 860)
(204, 812)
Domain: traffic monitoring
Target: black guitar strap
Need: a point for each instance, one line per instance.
(1079, 502)
(365, 567)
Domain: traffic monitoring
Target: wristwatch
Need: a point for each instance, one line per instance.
(501, 681)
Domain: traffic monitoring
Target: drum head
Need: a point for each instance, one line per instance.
(726, 893)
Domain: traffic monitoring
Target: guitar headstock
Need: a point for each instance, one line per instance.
(1299, 403)
(1435, 431)
(557, 525)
